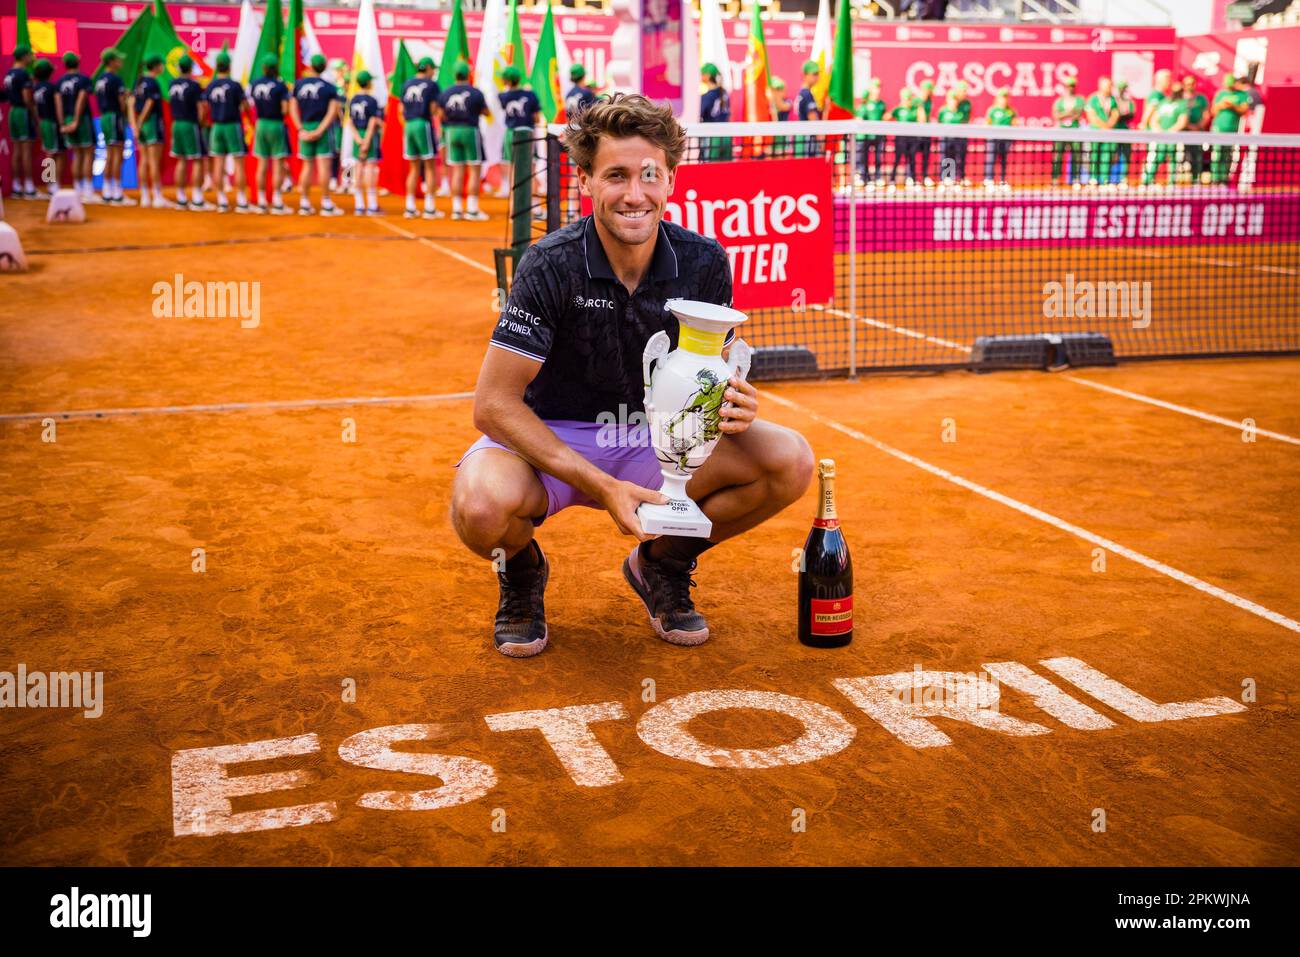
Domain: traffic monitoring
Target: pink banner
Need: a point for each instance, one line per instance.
(902, 225)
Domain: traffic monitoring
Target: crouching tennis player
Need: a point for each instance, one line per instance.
(584, 301)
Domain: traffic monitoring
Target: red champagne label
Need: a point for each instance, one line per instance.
(826, 523)
(831, 616)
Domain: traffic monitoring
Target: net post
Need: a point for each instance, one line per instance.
(521, 190)
(553, 199)
(853, 256)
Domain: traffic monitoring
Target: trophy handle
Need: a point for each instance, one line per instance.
(656, 348)
(740, 357)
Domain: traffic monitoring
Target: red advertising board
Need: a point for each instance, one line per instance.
(1202, 217)
(775, 220)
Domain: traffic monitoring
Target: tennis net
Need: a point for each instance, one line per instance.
(970, 246)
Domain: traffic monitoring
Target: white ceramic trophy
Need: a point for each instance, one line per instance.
(683, 402)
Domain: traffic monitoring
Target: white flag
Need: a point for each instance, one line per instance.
(487, 66)
(366, 55)
(713, 45)
(241, 56)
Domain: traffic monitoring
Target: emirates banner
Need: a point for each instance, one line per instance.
(775, 220)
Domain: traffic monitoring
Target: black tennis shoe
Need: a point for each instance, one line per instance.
(664, 587)
(520, 630)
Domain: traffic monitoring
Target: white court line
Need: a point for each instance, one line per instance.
(1225, 263)
(233, 407)
(1206, 416)
(439, 247)
(1124, 552)
(1281, 270)
(901, 330)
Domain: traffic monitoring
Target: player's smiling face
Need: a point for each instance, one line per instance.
(629, 185)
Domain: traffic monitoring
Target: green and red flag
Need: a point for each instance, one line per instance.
(546, 73)
(514, 53)
(457, 49)
(23, 38)
(758, 79)
(294, 52)
(839, 102)
(270, 39)
(164, 41)
(131, 44)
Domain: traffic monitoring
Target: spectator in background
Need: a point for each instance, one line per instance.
(270, 99)
(1198, 121)
(1169, 117)
(715, 107)
(1230, 104)
(75, 89)
(367, 117)
(147, 126)
(314, 110)
(1068, 112)
(999, 114)
(1103, 113)
(1123, 151)
(1163, 86)
(45, 100)
(924, 104)
(462, 108)
(781, 106)
(872, 145)
(923, 9)
(183, 97)
(807, 108)
(581, 95)
(905, 147)
(18, 94)
(110, 97)
(952, 149)
(419, 141)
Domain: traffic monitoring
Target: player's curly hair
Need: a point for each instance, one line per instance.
(620, 116)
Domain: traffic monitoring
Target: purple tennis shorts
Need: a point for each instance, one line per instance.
(620, 450)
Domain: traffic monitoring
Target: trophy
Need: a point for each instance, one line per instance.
(683, 402)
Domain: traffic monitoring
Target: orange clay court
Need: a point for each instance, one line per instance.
(1007, 519)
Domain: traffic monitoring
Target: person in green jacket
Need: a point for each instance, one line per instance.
(1230, 104)
(1068, 113)
(1198, 120)
(1103, 113)
(1169, 117)
(995, 151)
(1123, 151)
(952, 149)
(872, 149)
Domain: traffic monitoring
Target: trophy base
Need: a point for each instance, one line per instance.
(680, 516)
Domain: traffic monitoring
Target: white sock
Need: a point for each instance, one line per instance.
(327, 201)
(242, 197)
(373, 197)
(410, 202)
(221, 198)
(31, 187)
(428, 203)
(276, 199)
(455, 204)
(304, 202)
(473, 203)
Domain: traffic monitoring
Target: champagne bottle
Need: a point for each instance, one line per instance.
(826, 573)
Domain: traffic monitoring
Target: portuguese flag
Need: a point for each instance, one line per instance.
(515, 55)
(24, 37)
(546, 73)
(270, 39)
(839, 104)
(152, 32)
(394, 120)
(758, 107)
(293, 46)
(457, 49)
